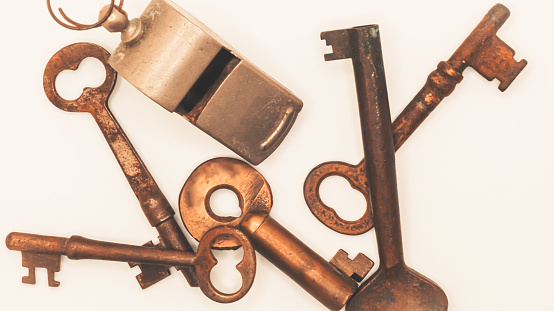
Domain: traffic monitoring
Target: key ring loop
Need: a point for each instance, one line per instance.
(326, 214)
(73, 25)
(205, 262)
(249, 185)
(69, 58)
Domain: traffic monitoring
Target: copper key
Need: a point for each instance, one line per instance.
(94, 101)
(332, 283)
(45, 251)
(482, 51)
(394, 286)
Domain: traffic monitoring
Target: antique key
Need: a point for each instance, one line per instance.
(482, 50)
(394, 286)
(186, 68)
(324, 281)
(151, 199)
(45, 251)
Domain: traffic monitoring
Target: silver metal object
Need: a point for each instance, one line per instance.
(183, 66)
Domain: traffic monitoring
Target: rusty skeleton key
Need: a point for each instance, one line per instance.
(332, 283)
(154, 204)
(45, 252)
(482, 50)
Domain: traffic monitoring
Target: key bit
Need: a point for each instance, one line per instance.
(45, 254)
(339, 40)
(32, 261)
(486, 53)
(151, 274)
(356, 268)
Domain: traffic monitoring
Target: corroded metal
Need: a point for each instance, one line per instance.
(318, 277)
(155, 206)
(394, 286)
(356, 268)
(45, 251)
(482, 51)
(186, 68)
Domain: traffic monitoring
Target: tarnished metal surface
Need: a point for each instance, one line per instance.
(483, 51)
(155, 206)
(250, 187)
(356, 268)
(45, 251)
(318, 277)
(394, 286)
(186, 68)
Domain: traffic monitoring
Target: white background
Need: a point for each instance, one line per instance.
(475, 180)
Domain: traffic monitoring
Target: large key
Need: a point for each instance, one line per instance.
(151, 199)
(45, 252)
(482, 51)
(394, 286)
(323, 280)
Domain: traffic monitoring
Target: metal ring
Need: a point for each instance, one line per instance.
(73, 25)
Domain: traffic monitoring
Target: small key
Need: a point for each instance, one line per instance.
(482, 50)
(318, 277)
(45, 251)
(154, 204)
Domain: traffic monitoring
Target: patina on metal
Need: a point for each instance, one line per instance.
(154, 204)
(318, 277)
(394, 286)
(482, 51)
(186, 68)
(46, 251)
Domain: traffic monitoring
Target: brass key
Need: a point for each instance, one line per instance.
(45, 251)
(151, 199)
(324, 281)
(482, 51)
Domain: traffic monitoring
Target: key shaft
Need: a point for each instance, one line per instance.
(77, 247)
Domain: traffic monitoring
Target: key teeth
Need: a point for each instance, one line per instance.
(31, 278)
(150, 274)
(31, 261)
(503, 86)
(339, 41)
(357, 269)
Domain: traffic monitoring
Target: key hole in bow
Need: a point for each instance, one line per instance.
(225, 276)
(224, 203)
(349, 203)
(90, 73)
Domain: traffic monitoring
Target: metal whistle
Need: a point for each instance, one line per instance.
(186, 68)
